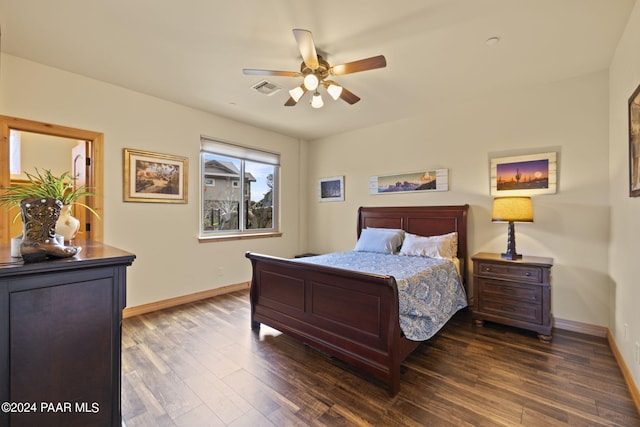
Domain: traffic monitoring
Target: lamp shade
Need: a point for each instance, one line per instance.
(512, 209)
(334, 90)
(316, 100)
(296, 93)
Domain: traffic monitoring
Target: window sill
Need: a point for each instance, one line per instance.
(243, 236)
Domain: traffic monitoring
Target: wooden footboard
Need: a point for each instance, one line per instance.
(352, 316)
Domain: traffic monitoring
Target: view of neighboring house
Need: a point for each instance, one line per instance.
(222, 194)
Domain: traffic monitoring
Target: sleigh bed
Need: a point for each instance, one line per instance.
(352, 315)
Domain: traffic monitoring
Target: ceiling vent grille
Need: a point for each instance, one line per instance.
(266, 87)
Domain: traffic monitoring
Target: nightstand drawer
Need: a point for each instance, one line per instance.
(511, 292)
(530, 313)
(515, 272)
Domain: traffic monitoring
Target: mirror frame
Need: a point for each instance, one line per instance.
(95, 178)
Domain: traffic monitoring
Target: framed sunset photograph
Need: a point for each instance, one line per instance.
(525, 175)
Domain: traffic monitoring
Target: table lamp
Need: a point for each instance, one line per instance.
(512, 209)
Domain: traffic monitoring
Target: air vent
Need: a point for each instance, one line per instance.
(266, 88)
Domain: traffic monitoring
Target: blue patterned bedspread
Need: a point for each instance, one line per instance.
(429, 289)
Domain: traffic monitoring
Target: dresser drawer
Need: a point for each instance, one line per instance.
(514, 272)
(509, 292)
(531, 313)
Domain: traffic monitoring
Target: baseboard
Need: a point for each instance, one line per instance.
(172, 302)
(583, 328)
(603, 332)
(635, 394)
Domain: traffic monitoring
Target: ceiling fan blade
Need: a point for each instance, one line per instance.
(361, 65)
(307, 48)
(350, 97)
(252, 72)
(290, 102)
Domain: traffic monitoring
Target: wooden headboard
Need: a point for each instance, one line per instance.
(423, 221)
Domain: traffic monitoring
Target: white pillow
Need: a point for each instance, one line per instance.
(443, 246)
(382, 240)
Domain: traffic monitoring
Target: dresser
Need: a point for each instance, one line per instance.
(513, 292)
(60, 338)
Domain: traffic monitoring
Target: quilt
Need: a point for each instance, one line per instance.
(430, 291)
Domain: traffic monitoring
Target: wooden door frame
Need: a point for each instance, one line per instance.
(95, 173)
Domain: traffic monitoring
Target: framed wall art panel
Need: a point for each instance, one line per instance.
(331, 189)
(430, 180)
(154, 177)
(526, 175)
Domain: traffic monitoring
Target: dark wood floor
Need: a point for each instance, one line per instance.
(201, 365)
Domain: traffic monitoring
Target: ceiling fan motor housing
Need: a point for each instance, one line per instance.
(322, 72)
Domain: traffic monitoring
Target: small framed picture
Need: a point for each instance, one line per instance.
(154, 177)
(525, 175)
(331, 189)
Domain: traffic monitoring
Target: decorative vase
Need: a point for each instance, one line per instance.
(67, 225)
(39, 216)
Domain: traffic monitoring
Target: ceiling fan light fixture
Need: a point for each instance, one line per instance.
(311, 81)
(296, 93)
(316, 100)
(315, 71)
(334, 90)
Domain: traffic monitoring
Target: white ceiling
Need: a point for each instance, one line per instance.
(193, 51)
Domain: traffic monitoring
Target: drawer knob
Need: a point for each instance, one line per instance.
(488, 269)
(528, 274)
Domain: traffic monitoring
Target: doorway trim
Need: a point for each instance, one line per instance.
(95, 171)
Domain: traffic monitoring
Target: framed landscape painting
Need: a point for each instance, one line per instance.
(154, 177)
(331, 189)
(526, 175)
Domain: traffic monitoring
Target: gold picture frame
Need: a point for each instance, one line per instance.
(154, 178)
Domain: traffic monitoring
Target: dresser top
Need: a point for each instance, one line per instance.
(494, 257)
(93, 254)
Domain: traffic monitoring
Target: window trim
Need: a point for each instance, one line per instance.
(213, 146)
(236, 236)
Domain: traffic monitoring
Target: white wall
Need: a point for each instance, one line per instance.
(45, 152)
(170, 261)
(625, 210)
(572, 226)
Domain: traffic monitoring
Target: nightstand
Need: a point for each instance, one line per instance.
(304, 255)
(513, 292)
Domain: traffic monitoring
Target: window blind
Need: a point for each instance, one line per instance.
(232, 150)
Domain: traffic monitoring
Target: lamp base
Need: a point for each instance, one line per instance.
(507, 255)
(511, 252)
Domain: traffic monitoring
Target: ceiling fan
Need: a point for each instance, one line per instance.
(316, 71)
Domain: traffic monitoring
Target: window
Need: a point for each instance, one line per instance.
(239, 190)
(14, 152)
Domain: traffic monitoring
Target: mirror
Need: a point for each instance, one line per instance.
(60, 149)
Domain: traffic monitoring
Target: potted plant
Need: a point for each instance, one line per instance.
(47, 185)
